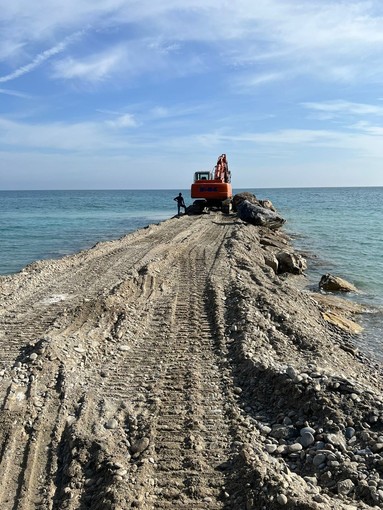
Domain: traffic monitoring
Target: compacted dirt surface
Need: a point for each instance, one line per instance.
(174, 369)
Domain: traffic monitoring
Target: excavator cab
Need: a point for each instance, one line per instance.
(203, 176)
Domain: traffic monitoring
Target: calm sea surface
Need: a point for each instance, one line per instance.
(340, 229)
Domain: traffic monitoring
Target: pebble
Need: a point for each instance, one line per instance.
(377, 447)
(319, 459)
(307, 439)
(295, 447)
(345, 486)
(33, 356)
(282, 499)
(271, 448)
(140, 445)
(307, 429)
(123, 348)
(291, 372)
(111, 424)
(350, 432)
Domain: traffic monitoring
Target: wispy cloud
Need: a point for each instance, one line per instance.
(14, 93)
(40, 58)
(344, 107)
(123, 121)
(94, 68)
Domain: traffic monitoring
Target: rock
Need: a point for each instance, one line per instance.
(267, 204)
(307, 439)
(111, 424)
(307, 429)
(241, 197)
(33, 356)
(282, 499)
(319, 459)
(342, 323)
(271, 261)
(283, 432)
(291, 372)
(291, 263)
(377, 447)
(295, 447)
(331, 283)
(140, 445)
(345, 486)
(338, 304)
(257, 215)
(350, 432)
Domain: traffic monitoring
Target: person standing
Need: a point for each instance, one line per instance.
(180, 203)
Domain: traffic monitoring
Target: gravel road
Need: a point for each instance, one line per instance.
(173, 369)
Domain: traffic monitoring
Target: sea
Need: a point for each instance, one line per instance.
(340, 231)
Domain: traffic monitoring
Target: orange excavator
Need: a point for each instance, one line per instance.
(212, 189)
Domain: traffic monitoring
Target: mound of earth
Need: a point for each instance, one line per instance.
(174, 368)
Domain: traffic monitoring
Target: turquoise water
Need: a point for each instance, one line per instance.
(340, 229)
(49, 224)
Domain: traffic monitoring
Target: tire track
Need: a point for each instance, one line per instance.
(149, 314)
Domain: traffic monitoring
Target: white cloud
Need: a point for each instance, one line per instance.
(337, 107)
(123, 121)
(96, 68)
(14, 93)
(329, 39)
(40, 58)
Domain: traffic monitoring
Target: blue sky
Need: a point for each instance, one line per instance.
(141, 94)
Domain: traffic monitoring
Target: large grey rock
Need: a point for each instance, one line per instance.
(271, 261)
(257, 215)
(291, 263)
(241, 197)
(333, 283)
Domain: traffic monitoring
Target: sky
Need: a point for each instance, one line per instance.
(140, 94)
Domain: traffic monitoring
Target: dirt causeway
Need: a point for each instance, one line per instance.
(173, 369)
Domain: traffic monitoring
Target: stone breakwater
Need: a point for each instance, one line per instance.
(181, 366)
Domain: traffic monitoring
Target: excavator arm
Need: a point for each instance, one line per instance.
(221, 170)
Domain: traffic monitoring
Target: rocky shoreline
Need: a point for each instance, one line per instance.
(183, 366)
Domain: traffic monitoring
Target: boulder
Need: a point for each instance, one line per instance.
(246, 195)
(257, 215)
(342, 323)
(267, 204)
(271, 261)
(291, 263)
(331, 283)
